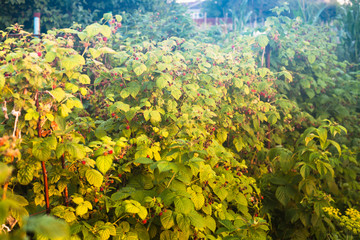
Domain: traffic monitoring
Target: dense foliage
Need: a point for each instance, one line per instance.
(125, 133)
(63, 13)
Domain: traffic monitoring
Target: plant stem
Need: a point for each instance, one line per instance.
(66, 193)
(46, 185)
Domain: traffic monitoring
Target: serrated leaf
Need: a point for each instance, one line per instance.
(210, 223)
(144, 160)
(58, 94)
(48, 227)
(155, 116)
(282, 194)
(140, 69)
(161, 82)
(103, 163)
(167, 219)
(50, 56)
(183, 205)
(74, 61)
(41, 151)
(311, 58)
(84, 79)
(183, 222)
(197, 220)
(81, 209)
(94, 177)
(262, 40)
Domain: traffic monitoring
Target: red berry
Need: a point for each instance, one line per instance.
(83, 162)
(198, 94)
(53, 86)
(39, 54)
(118, 25)
(110, 151)
(232, 46)
(105, 153)
(253, 90)
(213, 129)
(144, 221)
(120, 175)
(127, 127)
(121, 84)
(184, 74)
(105, 39)
(147, 156)
(262, 197)
(136, 58)
(101, 189)
(113, 114)
(247, 74)
(160, 213)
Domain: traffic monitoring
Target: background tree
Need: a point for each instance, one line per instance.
(62, 13)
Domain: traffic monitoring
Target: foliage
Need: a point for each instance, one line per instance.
(12, 206)
(57, 14)
(125, 133)
(349, 18)
(348, 223)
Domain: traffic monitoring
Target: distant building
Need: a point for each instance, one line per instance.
(196, 11)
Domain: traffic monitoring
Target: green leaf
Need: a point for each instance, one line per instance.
(78, 200)
(84, 79)
(183, 205)
(282, 194)
(144, 160)
(210, 223)
(305, 171)
(336, 145)
(2, 81)
(48, 227)
(58, 94)
(197, 220)
(311, 58)
(167, 219)
(176, 93)
(262, 40)
(155, 116)
(161, 82)
(94, 177)
(5, 172)
(221, 192)
(120, 106)
(310, 93)
(263, 71)
(183, 222)
(50, 56)
(118, 18)
(222, 135)
(103, 163)
(31, 114)
(41, 150)
(83, 208)
(74, 61)
(140, 69)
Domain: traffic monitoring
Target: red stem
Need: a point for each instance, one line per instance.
(46, 185)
